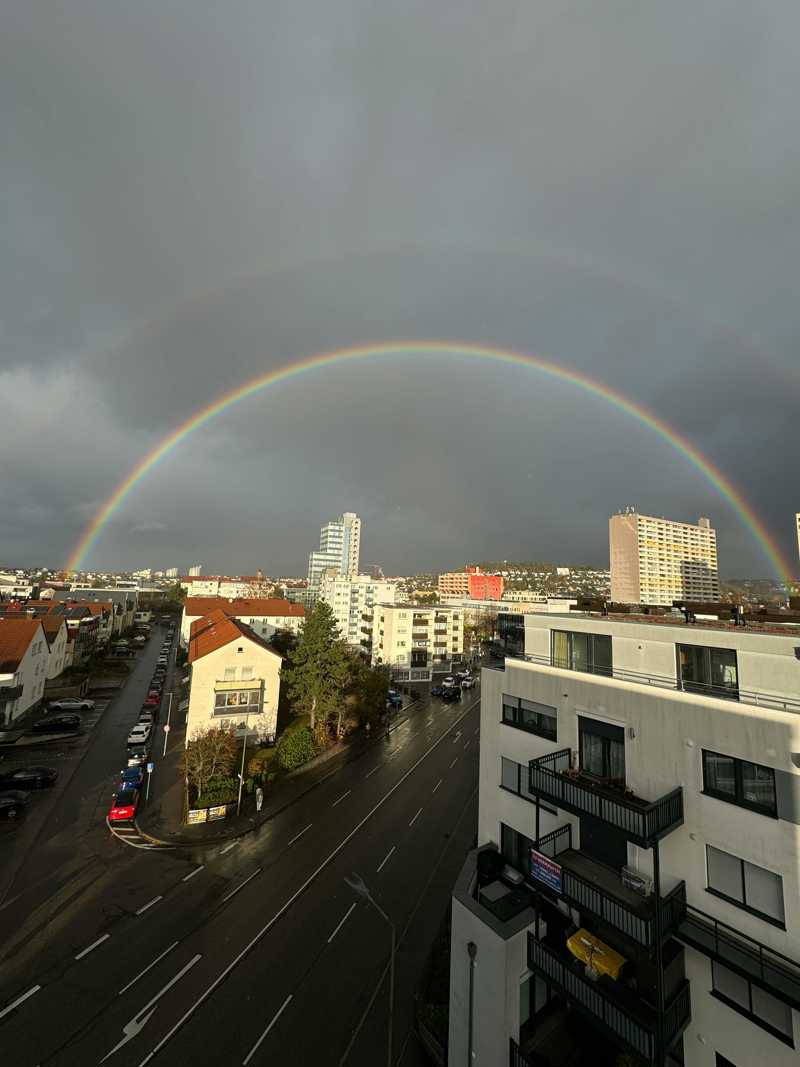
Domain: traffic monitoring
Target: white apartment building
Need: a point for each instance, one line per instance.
(636, 889)
(353, 600)
(339, 548)
(24, 658)
(797, 523)
(195, 570)
(264, 616)
(235, 679)
(413, 639)
(657, 561)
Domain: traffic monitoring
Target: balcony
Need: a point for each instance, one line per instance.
(744, 696)
(593, 887)
(770, 970)
(618, 1010)
(10, 692)
(553, 779)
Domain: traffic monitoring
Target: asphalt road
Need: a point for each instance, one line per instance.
(63, 844)
(256, 952)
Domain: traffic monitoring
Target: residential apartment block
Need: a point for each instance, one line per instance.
(339, 548)
(797, 523)
(24, 658)
(263, 616)
(234, 678)
(636, 889)
(413, 639)
(470, 584)
(353, 600)
(657, 561)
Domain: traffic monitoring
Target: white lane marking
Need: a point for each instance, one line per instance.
(298, 836)
(385, 859)
(298, 892)
(429, 722)
(135, 1025)
(415, 817)
(455, 761)
(227, 848)
(437, 786)
(373, 771)
(477, 732)
(191, 874)
(93, 946)
(342, 921)
(143, 909)
(466, 746)
(275, 1018)
(19, 1000)
(457, 737)
(341, 798)
(141, 974)
(233, 892)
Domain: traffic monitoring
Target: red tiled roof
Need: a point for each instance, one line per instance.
(216, 629)
(257, 606)
(15, 636)
(51, 624)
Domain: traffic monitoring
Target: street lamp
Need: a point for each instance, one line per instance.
(359, 887)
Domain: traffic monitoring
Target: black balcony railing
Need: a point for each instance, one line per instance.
(772, 971)
(660, 681)
(592, 889)
(552, 779)
(634, 1024)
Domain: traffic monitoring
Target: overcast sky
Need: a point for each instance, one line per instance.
(195, 192)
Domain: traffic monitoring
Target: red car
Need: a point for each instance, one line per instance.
(124, 805)
(152, 700)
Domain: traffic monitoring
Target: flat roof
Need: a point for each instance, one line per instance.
(790, 628)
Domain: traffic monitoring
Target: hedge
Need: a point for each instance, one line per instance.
(295, 749)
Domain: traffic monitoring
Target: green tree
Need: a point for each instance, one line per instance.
(369, 687)
(319, 669)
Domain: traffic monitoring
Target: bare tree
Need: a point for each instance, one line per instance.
(209, 754)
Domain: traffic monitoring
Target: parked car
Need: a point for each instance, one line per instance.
(124, 805)
(71, 704)
(451, 693)
(152, 701)
(138, 755)
(468, 682)
(449, 681)
(496, 653)
(463, 674)
(436, 690)
(393, 699)
(12, 803)
(133, 777)
(140, 734)
(155, 689)
(29, 778)
(57, 724)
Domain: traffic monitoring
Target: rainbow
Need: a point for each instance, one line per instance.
(390, 349)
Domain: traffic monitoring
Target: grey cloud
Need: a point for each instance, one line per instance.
(198, 193)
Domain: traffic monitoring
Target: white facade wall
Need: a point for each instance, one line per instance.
(665, 733)
(31, 674)
(394, 636)
(352, 597)
(57, 655)
(656, 560)
(229, 669)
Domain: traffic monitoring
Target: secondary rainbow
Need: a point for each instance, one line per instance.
(399, 349)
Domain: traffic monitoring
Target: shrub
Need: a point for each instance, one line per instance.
(219, 790)
(260, 761)
(295, 749)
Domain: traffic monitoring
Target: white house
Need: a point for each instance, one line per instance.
(24, 653)
(352, 599)
(234, 678)
(265, 616)
(637, 881)
(55, 630)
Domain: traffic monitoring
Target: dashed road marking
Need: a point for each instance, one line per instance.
(385, 859)
(93, 946)
(191, 874)
(227, 848)
(298, 836)
(16, 1003)
(455, 761)
(149, 904)
(341, 798)
(437, 786)
(415, 817)
(342, 921)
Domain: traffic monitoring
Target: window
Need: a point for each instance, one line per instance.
(247, 674)
(247, 699)
(516, 848)
(602, 749)
(760, 1007)
(740, 782)
(746, 885)
(230, 674)
(539, 719)
(581, 652)
(713, 671)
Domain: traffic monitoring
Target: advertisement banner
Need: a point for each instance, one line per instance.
(217, 813)
(545, 870)
(200, 815)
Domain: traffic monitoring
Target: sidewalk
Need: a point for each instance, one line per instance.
(161, 818)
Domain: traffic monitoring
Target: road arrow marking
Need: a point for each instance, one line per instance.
(135, 1026)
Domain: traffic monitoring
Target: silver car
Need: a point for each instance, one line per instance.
(72, 704)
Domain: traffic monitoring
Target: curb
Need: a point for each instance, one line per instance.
(178, 841)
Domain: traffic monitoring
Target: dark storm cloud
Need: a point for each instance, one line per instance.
(197, 193)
